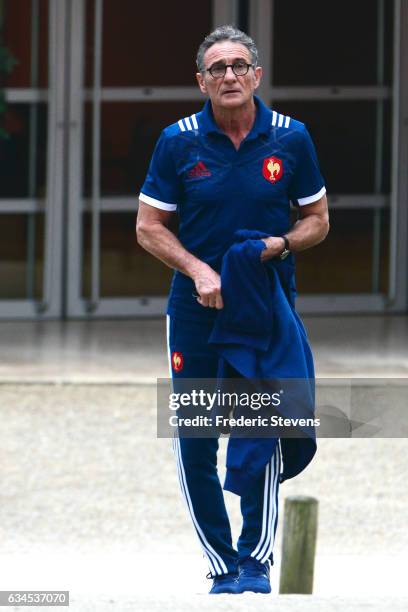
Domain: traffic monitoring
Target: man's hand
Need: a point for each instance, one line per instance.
(274, 246)
(208, 286)
(154, 236)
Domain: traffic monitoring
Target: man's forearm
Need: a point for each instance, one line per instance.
(307, 232)
(163, 244)
(155, 237)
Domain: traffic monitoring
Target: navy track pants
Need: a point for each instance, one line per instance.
(196, 460)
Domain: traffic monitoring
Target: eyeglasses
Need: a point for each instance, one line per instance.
(239, 68)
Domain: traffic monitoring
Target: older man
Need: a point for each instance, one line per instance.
(235, 165)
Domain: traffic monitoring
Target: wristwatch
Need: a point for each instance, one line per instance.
(286, 249)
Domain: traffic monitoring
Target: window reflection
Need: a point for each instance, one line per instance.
(345, 137)
(330, 43)
(129, 133)
(141, 40)
(20, 175)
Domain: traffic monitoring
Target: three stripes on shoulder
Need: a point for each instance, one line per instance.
(279, 120)
(190, 123)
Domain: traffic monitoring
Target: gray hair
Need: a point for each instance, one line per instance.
(226, 32)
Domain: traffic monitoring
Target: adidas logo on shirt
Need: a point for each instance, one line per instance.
(200, 169)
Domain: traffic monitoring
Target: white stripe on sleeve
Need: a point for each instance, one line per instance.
(157, 203)
(312, 198)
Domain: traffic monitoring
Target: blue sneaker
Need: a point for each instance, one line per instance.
(254, 576)
(227, 583)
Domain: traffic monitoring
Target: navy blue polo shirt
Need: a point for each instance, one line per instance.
(216, 190)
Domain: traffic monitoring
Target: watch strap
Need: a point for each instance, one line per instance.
(286, 250)
(287, 246)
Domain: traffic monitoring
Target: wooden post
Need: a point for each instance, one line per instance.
(299, 545)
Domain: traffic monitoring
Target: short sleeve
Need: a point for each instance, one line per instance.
(161, 187)
(307, 184)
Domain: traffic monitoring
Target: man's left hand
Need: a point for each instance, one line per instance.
(274, 246)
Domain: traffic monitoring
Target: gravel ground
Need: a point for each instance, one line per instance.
(90, 503)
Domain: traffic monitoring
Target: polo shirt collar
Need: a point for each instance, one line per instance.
(262, 124)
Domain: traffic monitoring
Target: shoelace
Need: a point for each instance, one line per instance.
(222, 577)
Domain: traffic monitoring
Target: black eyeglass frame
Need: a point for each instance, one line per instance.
(226, 66)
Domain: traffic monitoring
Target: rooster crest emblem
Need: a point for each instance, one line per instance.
(177, 361)
(272, 169)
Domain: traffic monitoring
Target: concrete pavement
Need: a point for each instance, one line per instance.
(135, 351)
(90, 500)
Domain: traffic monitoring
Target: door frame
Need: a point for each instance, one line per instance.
(260, 24)
(64, 204)
(96, 306)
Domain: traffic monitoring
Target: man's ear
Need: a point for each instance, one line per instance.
(258, 76)
(201, 82)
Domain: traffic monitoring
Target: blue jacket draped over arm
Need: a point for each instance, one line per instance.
(259, 335)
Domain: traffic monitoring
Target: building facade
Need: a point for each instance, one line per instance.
(97, 80)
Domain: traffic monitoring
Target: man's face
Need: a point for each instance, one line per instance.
(230, 91)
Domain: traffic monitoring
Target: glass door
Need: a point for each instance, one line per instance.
(31, 145)
(123, 91)
(124, 88)
(87, 99)
(337, 67)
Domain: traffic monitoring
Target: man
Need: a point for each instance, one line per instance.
(235, 165)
